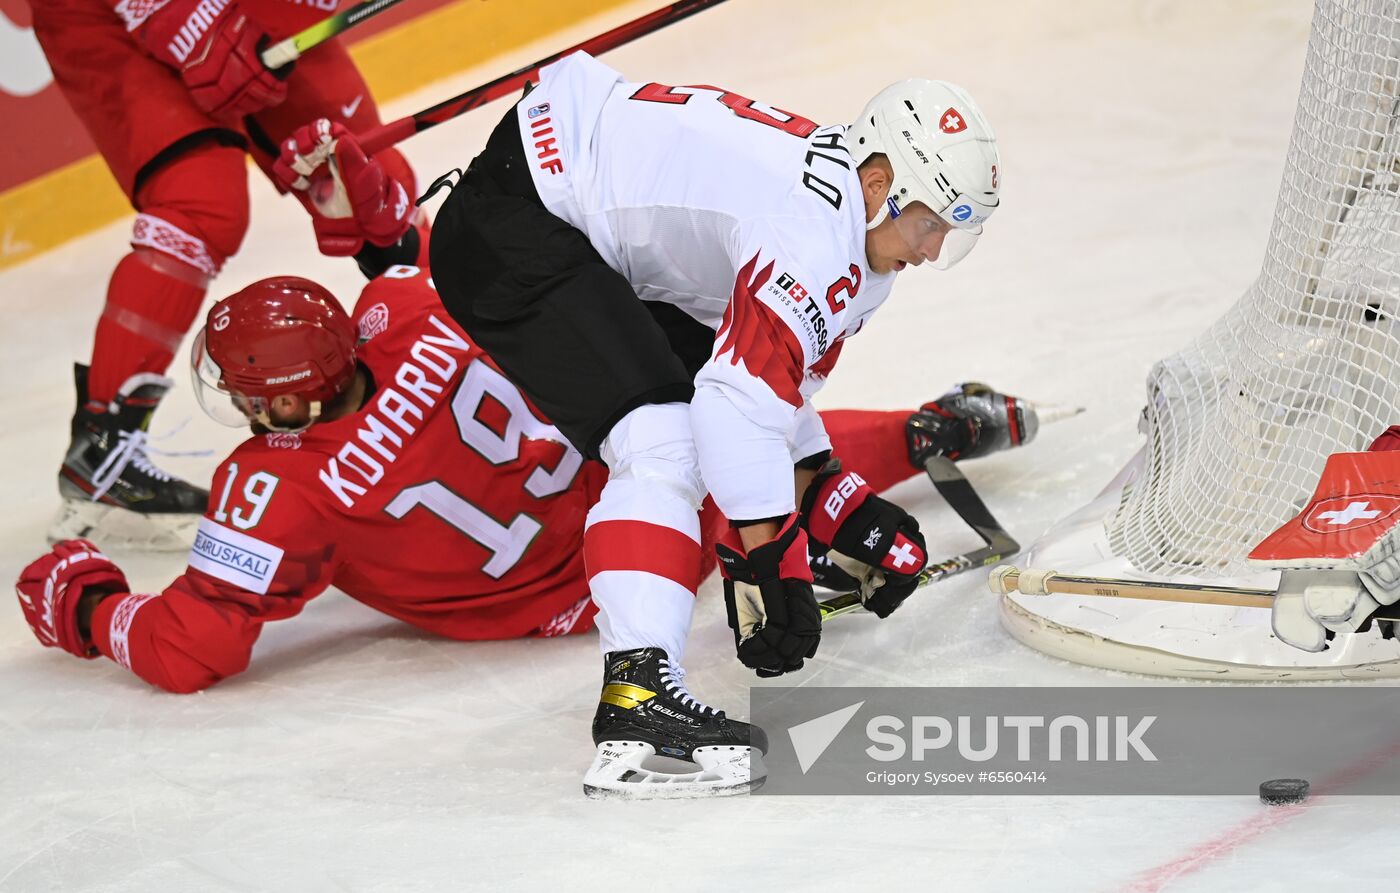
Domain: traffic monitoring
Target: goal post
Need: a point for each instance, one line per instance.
(1240, 422)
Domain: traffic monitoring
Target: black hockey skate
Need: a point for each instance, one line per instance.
(112, 492)
(647, 719)
(969, 421)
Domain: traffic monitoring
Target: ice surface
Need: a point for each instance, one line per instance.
(1142, 146)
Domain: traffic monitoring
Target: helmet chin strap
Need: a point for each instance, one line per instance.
(887, 209)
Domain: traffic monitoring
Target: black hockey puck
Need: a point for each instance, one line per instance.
(1283, 791)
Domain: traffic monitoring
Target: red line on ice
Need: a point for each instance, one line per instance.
(1203, 854)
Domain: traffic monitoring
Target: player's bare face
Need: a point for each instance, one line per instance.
(913, 237)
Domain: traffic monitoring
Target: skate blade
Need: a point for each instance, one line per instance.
(631, 770)
(118, 528)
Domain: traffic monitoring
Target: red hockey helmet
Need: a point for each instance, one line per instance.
(278, 336)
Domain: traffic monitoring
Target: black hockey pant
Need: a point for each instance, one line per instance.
(532, 291)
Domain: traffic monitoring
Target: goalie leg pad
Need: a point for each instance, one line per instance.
(1290, 618)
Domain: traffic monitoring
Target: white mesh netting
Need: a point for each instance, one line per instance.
(1307, 363)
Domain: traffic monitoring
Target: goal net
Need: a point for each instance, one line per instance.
(1307, 363)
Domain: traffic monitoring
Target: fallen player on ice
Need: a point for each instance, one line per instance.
(362, 499)
(395, 461)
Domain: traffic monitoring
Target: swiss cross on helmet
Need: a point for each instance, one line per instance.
(943, 154)
(279, 336)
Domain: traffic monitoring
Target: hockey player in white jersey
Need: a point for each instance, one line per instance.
(668, 272)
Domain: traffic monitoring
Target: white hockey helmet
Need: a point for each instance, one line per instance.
(943, 153)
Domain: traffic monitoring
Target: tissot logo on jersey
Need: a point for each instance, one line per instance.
(399, 410)
(787, 290)
(792, 287)
(234, 557)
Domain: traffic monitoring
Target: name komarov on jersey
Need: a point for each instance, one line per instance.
(360, 462)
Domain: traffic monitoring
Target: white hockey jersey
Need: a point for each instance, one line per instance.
(747, 217)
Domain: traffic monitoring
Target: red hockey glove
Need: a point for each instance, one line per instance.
(872, 539)
(349, 195)
(769, 601)
(217, 56)
(50, 588)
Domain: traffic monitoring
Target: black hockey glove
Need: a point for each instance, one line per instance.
(870, 538)
(769, 602)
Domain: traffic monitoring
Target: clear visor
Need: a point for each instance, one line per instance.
(218, 402)
(932, 238)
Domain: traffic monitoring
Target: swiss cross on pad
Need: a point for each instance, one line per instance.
(1355, 511)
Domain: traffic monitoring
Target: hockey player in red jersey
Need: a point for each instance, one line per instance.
(174, 94)
(668, 272)
(344, 483)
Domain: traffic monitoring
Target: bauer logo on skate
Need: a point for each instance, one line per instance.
(399, 408)
(237, 558)
(1341, 513)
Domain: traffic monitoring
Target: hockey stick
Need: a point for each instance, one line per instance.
(289, 50)
(395, 131)
(1007, 579)
(958, 492)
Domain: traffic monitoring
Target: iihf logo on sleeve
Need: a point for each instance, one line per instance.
(536, 111)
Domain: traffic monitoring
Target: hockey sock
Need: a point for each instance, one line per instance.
(194, 212)
(872, 442)
(151, 302)
(641, 545)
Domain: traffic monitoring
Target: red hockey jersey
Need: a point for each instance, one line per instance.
(445, 501)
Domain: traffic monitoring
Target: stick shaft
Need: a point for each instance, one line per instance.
(388, 134)
(289, 50)
(1066, 584)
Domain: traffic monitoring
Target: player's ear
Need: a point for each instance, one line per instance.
(287, 408)
(876, 175)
